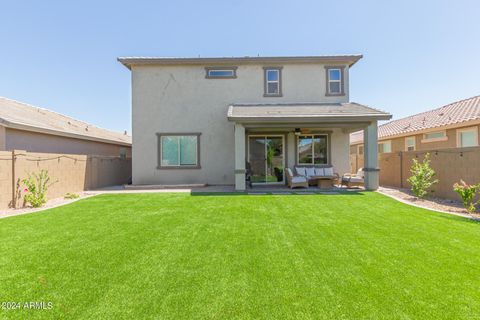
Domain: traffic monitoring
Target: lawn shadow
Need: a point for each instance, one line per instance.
(293, 192)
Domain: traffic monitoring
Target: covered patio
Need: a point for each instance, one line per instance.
(272, 137)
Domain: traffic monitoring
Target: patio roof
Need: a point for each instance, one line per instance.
(304, 112)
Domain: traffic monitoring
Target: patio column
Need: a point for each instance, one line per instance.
(370, 153)
(239, 157)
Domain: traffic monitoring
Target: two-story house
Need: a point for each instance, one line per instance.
(206, 120)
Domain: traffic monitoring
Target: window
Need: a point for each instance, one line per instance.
(410, 144)
(273, 82)
(434, 136)
(123, 153)
(312, 149)
(360, 149)
(467, 137)
(385, 147)
(335, 81)
(221, 72)
(179, 150)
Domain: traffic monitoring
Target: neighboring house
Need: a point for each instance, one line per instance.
(25, 127)
(455, 125)
(208, 120)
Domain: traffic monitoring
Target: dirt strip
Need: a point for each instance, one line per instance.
(431, 203)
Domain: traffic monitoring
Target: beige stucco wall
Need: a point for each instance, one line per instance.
(450, 165)
(68, 172)
(339, 151)
(39, 142)
(180, 99)
(2, 138)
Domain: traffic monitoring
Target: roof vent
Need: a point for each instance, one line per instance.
(441, 114)
(86, 128)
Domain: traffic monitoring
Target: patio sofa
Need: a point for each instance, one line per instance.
(318, 175)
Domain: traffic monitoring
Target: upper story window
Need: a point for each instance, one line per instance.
(221, 72)
(335, 81)
(178, 150)
(273, 82)
(410, 144)
(435, 136)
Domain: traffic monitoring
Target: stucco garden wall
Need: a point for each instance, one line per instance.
(71, 173)
(450, 165)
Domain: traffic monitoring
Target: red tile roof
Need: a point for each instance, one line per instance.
(453, 113)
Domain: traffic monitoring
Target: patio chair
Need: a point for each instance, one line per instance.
(354, 179)
(248, 174)
(295, 181)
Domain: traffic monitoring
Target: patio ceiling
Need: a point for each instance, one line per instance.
(312, 113)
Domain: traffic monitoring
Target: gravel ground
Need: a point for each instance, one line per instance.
(433, 203)
(50, 204)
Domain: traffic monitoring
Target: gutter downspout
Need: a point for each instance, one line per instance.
(401, 169)
(14, 195)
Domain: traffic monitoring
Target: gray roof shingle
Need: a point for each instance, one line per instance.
(304, 111)
(23, 116)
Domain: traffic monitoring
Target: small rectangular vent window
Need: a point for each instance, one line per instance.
(221, 73)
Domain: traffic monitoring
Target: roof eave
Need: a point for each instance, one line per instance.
(133, 61)
(311, 119)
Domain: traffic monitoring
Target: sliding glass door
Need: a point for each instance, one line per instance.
(266, 158)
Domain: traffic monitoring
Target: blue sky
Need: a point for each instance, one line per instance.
(62, 54)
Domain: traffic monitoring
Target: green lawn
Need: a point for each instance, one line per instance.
(177, 256)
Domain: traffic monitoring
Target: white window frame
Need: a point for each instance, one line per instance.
(341, 82)
(383, 143)
(333, 81)
(278, 82)
(427, 140)
(463, 130)
(313, 151)
(414, 143)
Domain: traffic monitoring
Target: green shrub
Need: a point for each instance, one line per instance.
(422, 178)
(71, 196)
(36, 188)
(467, 192)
